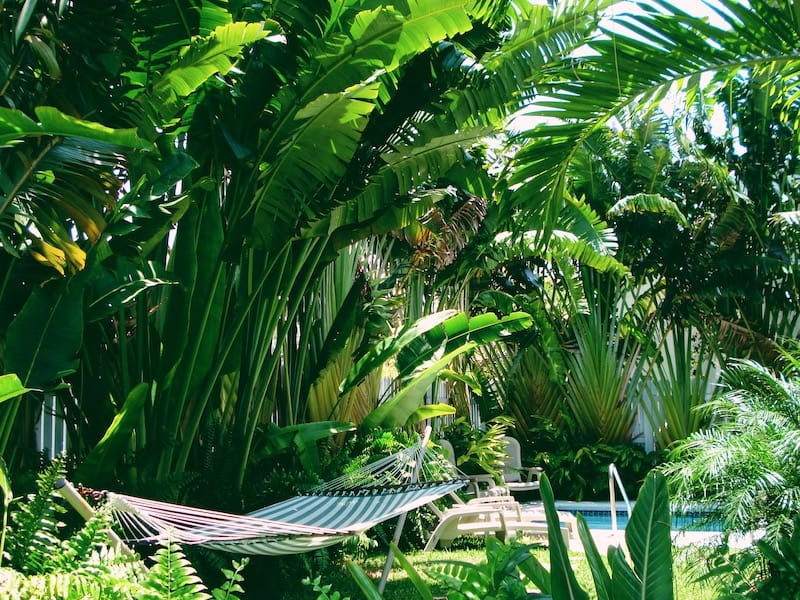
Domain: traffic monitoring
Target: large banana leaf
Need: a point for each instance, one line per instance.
(195, 64)
(653, 203)
(418, 365)
(16, 126)
(11, 387)
(46, 335)
(458, 329)
(407, 167)
(397, 411)
(418, 342)
(348, 58)
(98, 467)
(649, 543)
(563, 584)
(334, 121)
(388, 347)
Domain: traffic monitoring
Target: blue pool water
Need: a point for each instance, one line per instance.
(601, 519)
(598, 516)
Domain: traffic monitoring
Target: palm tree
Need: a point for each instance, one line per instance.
(723, 260)
(745, 464)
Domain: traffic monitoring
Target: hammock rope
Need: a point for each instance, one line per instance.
(349, 504)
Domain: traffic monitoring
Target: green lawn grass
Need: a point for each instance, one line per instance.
(399, 587)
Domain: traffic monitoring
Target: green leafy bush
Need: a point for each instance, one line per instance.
(578, 468)
(746, 464)
(479, 450)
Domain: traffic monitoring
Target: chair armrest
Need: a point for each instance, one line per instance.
(482, 478)
(535, 472)
(481, 483)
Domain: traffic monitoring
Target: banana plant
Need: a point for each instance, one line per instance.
(63, 189)
(258, 274)
(260, 176)
(421, 351)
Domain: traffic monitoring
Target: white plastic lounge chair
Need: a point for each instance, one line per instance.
(516, 478)
(501, 516)
(480, 483)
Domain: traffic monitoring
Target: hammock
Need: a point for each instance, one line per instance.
(326, 515)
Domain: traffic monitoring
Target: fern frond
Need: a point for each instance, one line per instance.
(77, 550)
(32, 537)
(172, 576)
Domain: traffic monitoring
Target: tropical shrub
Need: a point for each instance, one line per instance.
(578, 467)
(746, 464)
(744, 467)
(478, 450)
(220, 323)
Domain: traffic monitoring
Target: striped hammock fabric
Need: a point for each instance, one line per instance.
(328, 514)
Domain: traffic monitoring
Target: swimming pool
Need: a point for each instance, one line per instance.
(598, 516)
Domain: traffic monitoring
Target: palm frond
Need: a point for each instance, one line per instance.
(542, 37)
(653, 203)
(676, 47)
(193, 66)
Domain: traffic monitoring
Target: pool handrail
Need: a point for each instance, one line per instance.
(614, 478)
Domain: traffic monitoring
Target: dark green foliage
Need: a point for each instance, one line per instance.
(578, 468)
(478, 451)
(783, 564)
